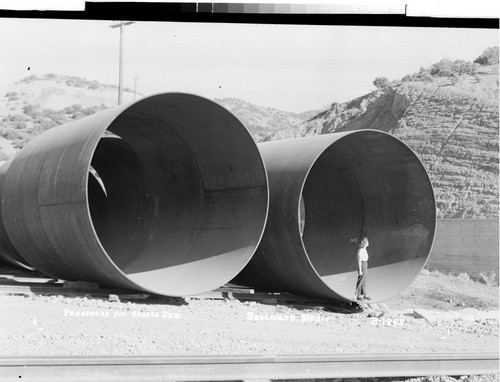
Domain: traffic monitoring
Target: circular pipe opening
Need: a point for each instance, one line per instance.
(183, 200)
(368, 184)
(167, 195)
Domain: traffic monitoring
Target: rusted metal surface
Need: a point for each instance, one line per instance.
(361, 183)
(174, 203)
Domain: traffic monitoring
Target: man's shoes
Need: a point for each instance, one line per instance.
(367, 298)
(360, 298)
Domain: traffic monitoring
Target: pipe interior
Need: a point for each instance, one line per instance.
(370, 185)
(178, 198)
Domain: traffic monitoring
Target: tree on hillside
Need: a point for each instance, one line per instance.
(488, 57)
(443, 68)
(461, 67)
(382, 83)
(424, 75)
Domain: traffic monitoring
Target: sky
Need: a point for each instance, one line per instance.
(294, 68)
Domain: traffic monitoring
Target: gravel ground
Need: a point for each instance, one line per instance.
(83, 326)
(463, 378)
(438, 313)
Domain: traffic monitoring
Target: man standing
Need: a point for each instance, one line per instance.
(362, 256)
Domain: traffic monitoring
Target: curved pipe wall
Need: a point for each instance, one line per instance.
(8, 253)
(361, 183)
(167, 195)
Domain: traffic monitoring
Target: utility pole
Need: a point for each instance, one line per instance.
(120, 25)
(135, 85)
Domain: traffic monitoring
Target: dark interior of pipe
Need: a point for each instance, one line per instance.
(176, 206)
(368, 185)
(119, 201)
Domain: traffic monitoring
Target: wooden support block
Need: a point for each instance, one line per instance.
(80, 285)
(137, 296)
(236, 290)
(29, 290)
(269, 301)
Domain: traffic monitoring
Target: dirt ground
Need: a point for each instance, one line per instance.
(437, 313)
(435, 290)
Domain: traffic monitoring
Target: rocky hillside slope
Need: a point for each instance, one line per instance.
(451, 123)
(264, 122)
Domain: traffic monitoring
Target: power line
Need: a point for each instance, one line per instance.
(120, 25)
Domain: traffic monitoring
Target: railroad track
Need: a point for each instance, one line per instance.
(225, 368)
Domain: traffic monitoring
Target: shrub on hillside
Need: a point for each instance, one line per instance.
(32, 110)
(76, 82)
(94, 85)
(423, 74)
(20, 143)
(57, 117)
(93, 109)
(13, 135)
(382, 83)
(461, 67)
(448, 68)
(42, 124)
(72, 109)
(29, 79)
(20, 125)
(21, 128)
(442, 68)
(488, 57)
(14, 118)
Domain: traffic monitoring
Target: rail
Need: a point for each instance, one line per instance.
(225, 368)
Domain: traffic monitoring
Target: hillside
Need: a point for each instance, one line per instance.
(451, 123)
(263, 122)
(37, 103)
(52, 91)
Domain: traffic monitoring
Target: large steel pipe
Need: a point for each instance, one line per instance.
(347, 185)
(8, 254)
(166, 195)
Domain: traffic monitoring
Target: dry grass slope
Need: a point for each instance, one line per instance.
(38, 103)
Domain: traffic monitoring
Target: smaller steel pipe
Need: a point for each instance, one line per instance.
(348, 185)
